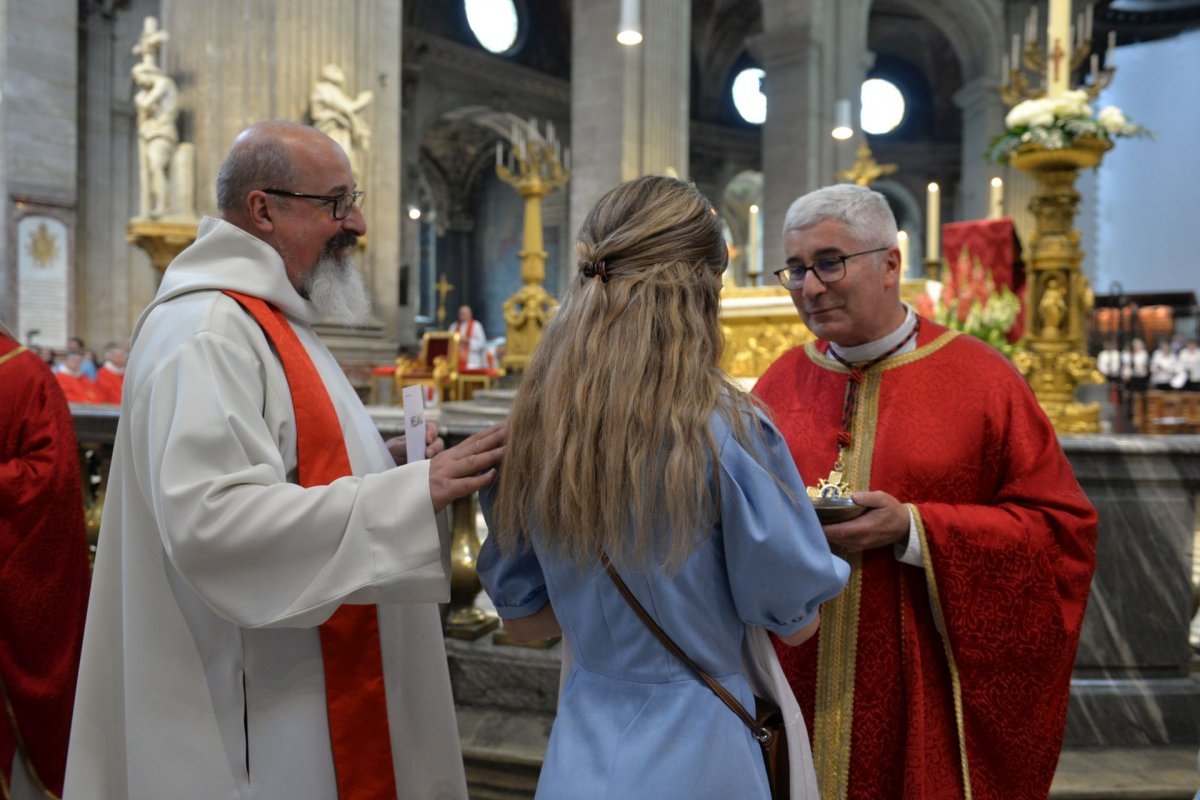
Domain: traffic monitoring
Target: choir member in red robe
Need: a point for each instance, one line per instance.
(43, 573)
(77, 387)
(110, 378)
(942, 671)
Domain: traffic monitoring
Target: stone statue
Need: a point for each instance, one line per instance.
(336, 114)
(150, 42)
(157, 103)
(1053, 308)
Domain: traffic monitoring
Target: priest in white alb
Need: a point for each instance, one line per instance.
(263, 619)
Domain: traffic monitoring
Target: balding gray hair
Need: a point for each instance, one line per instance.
(863, 211)
(259, 159)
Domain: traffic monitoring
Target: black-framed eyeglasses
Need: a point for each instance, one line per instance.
(829, 269)
(340, 203)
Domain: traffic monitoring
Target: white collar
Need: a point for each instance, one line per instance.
(871, 350)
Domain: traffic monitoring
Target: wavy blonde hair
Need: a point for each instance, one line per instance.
(610, 428)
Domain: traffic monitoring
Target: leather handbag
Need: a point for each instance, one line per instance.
(766, 726)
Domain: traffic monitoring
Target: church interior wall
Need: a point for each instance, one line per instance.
(1148, 189)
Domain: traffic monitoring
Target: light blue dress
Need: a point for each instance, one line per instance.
(633, 721)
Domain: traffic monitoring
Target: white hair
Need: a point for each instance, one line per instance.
(864, 212)
(337, 289)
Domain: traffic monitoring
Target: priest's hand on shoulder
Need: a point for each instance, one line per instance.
(467, 467)
(433, 445)
(885, 523)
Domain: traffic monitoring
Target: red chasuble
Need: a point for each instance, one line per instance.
(949, 681)
(109, 384)
(355, 696)
(43, 568)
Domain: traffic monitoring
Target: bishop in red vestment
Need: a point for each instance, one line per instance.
(43, 571)
(943, 669)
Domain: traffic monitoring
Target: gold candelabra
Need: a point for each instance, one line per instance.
(1054, 357)
(1030, 60)
(535, 166)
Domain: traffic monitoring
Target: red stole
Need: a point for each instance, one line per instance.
(354, 685)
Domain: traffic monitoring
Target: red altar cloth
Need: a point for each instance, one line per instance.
(994, 243)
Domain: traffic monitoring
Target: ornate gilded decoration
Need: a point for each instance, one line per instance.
(465, 621)
(42, 246)
(535, 170)
(161, 239)
(443, 287)
(1054, 356)
(866, 169)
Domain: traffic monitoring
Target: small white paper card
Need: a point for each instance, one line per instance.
(414, 422)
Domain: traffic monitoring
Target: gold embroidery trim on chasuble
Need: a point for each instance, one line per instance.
(837, 647)
(13, 353)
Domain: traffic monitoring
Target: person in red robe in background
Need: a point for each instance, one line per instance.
(110, 378)
(943, 670)
(43, 573)
(77, 387)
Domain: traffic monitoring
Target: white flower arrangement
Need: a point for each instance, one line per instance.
(1057, 122)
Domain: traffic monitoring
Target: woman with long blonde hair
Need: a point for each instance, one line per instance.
(626, 440)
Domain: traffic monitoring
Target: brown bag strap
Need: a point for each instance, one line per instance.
(759, 732)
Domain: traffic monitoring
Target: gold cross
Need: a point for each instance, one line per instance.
(444, 287)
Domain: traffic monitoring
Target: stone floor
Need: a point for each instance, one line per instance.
(1160, 773)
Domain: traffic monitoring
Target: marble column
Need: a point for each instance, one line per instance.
(629, 105)
(982, 120)
(238, 62)
(39, 77)
(1131, 685)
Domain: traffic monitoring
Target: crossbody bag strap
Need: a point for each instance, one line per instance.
(760, 733)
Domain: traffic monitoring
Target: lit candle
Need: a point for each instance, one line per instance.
(996, 199)
(753, 269)
(933, 227)
(1058, 47)
(902, 243)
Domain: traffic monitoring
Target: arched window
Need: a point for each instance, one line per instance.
(882, 106)
(748, 97)
(495, 23)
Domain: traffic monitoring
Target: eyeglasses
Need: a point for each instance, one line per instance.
(341, 203)
(829, 269)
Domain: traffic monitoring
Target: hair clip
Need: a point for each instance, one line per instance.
(591, 269)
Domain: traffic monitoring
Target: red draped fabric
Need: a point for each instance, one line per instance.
(1009, 546)
(355, 695)
(994, 243)
(43, 568)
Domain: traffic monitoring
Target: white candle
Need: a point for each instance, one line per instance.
(902, 244)
(1112, 45)
(933, 227)
(498, 148)
(753, 267)
(996, 199)
(1058, 40)
(1095, 69)
(1087, 22)
(1033, 26)
(1004, 71)
(1016, 49)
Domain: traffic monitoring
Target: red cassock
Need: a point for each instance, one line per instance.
(923, 681)
(43, 567)
(109, 384)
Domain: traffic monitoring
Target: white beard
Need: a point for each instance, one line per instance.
(336, 288)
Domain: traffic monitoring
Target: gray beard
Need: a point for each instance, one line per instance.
(336, 288)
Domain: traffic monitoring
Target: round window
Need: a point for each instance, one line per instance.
(494, 23)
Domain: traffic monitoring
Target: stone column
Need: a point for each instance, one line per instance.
(629, 105)
(982, 120)
(240, 62)
(795, 132)
(39, 76)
